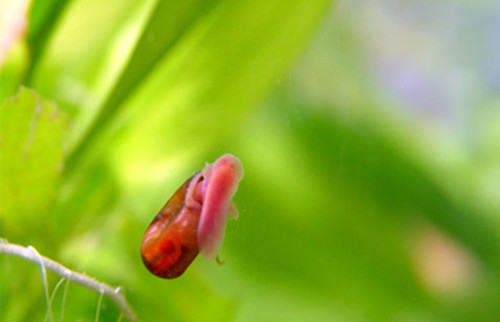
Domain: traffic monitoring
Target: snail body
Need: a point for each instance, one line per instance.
(193, 220)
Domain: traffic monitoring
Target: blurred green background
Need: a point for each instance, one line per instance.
(369, 132)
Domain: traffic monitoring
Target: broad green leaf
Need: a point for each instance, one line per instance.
(77, 68)
(43, 17)
(202, 92)
(167, 24)
(31, 156)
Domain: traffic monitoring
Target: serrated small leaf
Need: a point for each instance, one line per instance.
(31, 156)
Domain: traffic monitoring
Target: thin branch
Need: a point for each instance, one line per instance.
(102, 288)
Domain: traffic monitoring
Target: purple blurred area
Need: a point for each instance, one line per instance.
(436, 58)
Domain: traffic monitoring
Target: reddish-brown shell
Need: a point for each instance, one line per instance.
(170, 242)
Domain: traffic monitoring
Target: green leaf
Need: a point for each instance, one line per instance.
(199, 95)
(168, 23)
(31, 156)
(43, 16)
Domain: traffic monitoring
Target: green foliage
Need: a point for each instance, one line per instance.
(31, 158)
(129, 98)
(43, 16)
(162, 32)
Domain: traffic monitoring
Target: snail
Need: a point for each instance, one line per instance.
(193, 220)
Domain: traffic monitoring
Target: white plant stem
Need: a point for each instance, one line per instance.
(114, 293)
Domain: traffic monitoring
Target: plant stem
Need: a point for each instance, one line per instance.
(102, 288)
